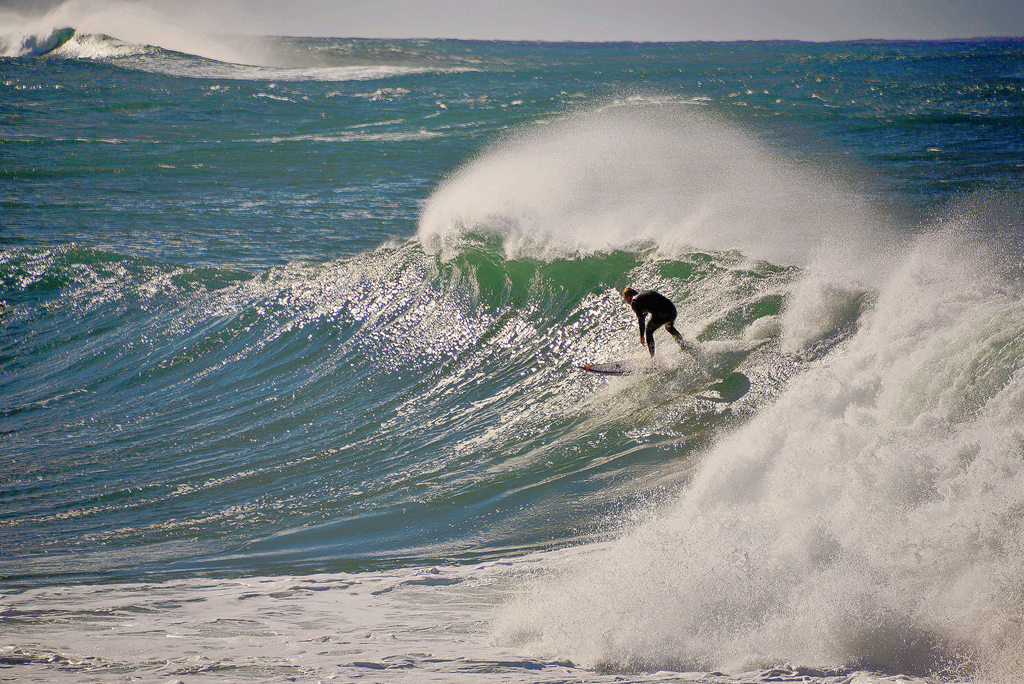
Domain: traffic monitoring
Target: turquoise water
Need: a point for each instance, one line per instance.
(305, 314)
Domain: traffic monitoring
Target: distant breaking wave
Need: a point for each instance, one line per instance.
(19, 44)
(68, 44)
(158, 60)
(136, 37)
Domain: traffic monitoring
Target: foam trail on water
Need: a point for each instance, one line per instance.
(871, 517)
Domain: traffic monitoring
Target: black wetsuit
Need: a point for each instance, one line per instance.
(662, 311)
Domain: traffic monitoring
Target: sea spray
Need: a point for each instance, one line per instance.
(870, 518)
(642, 172)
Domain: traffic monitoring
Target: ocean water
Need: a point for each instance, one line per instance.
(288, 347)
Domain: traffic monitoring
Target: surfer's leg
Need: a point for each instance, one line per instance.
(679, 338)
(649, 336)
(653, 325)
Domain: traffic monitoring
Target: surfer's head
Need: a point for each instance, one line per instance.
(628, 295)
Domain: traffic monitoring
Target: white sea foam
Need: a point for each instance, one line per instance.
(411, 625)
(358, 136)
(870, 517)
(244, 72)
(97, 47)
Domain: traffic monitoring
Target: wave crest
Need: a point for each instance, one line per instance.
(33, 44)
(129, 23)
(635, 172)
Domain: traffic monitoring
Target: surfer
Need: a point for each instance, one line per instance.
(662, 312)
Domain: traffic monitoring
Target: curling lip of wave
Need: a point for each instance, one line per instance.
(32, 44)
(645, 172)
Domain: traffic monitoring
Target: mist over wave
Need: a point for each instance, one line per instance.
(639, 170)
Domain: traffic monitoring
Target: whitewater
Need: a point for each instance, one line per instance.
(290, 328)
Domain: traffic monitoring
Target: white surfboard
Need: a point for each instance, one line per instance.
(613, 368)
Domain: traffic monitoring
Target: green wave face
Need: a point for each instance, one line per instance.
(397, 381)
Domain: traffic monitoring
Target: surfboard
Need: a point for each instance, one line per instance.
(613, 368)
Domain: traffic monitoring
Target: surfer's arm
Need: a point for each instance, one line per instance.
(640, 316)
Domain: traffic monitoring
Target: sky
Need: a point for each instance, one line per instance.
(591, 20)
